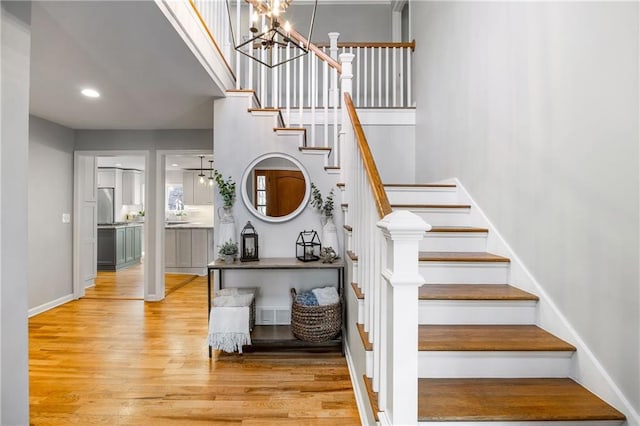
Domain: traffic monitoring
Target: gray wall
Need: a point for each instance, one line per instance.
(371, 22)
(50, 195)
(15, 36)
(534, 106)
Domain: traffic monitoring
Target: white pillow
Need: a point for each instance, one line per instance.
(238, 300)
(326, 295)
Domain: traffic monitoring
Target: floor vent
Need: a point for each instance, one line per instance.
(268, 315)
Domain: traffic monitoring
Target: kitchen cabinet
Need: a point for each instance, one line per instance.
(195, 193)
(119, 246)
(188, 249)
(106, 178)
(131, 187)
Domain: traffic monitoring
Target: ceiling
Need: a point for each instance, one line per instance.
(128, 51)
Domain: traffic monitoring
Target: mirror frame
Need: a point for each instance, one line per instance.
(249, 205)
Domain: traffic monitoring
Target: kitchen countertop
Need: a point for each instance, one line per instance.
(120, 225)
(188, 225)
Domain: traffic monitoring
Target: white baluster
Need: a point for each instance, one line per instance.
(365, 73)
(387, 79)
(301, 100)
(394, 81)
(313, 96)
(373, 74)
(379, 104)
(238, 70)
(288, 85)
(325, 101)
(409, 55)
(275, 94)
(401, 77)
(335, 103)
(357, 98)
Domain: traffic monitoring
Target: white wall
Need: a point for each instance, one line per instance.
(534, 106)
(395, 142)
(15, 36)
(50, 195)
(371, 22)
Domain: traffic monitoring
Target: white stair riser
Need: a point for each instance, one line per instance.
(477, 312)
(454, 241)
(347, 240)
(445, 217)
(464, 272)
(545, 423)
(422, 195)
(271, 114)
(493, 364)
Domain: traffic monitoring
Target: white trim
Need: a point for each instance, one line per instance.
(357, 391)
(588, 371)
(50, 305)
(542, 423)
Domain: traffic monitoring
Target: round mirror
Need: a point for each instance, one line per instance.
(275, 187)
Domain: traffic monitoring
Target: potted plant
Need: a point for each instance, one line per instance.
(325, 208)
(228, 251)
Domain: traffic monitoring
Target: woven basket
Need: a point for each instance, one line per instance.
(315, 323)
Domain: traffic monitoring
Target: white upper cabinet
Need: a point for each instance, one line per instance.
(106, 178)
(195, 193)
(131, 187)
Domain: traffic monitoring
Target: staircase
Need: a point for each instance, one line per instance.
(435, 329)
(481, 356)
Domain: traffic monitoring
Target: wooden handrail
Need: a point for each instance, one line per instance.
(213, 40)
(323, 56)
(379, 194)
(404, 45)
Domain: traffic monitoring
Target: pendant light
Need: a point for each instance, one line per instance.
(201, 175)
(211, 179)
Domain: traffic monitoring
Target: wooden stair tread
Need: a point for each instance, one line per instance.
(430, 206)
(332, 167)
(340, 184)
(461, 229)
(290, 129)
(357, 291)
(347, 227)
(473, 292)
(364, 336)
(352, 256)
(373, 396)
(240, 91)
(488, 338)
(460, 256)
(419, 185)
(554, 399)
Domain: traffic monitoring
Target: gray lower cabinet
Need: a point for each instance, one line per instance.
(188, 248)
(119, 247)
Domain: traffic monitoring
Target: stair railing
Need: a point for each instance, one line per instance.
(386, 244)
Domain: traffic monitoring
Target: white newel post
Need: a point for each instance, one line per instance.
(403, 231)
(333, 52)
(345, 137)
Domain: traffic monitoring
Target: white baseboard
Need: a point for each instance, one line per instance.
(50, 305)
(588, 370)
(359, 393)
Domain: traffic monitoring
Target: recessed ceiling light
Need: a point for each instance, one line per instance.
(175, 165)
(90, 93)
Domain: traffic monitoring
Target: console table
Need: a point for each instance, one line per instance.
(278, 337)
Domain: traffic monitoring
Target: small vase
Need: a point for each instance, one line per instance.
(330, 235)
(226, 226)
(228, 258)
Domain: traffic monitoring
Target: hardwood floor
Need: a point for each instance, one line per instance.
(129, 284)
(128, 362)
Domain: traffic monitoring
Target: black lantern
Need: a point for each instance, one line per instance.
(249, 243)
(308, 246)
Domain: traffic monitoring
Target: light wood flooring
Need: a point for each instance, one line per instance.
(129, 284)
(128, 362)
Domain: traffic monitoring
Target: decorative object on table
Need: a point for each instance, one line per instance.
(227, 225)
(230, 319)
(249, 239)
(308, 246)
(228, 251)
(325, 208)
(328, 255)
(315, 323)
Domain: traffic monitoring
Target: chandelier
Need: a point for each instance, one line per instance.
(270, 37)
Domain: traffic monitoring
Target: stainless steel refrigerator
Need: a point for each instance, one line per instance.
(105, 206)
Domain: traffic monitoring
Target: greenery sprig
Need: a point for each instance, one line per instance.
(228, 249)
(325, 206)
(226, 188)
